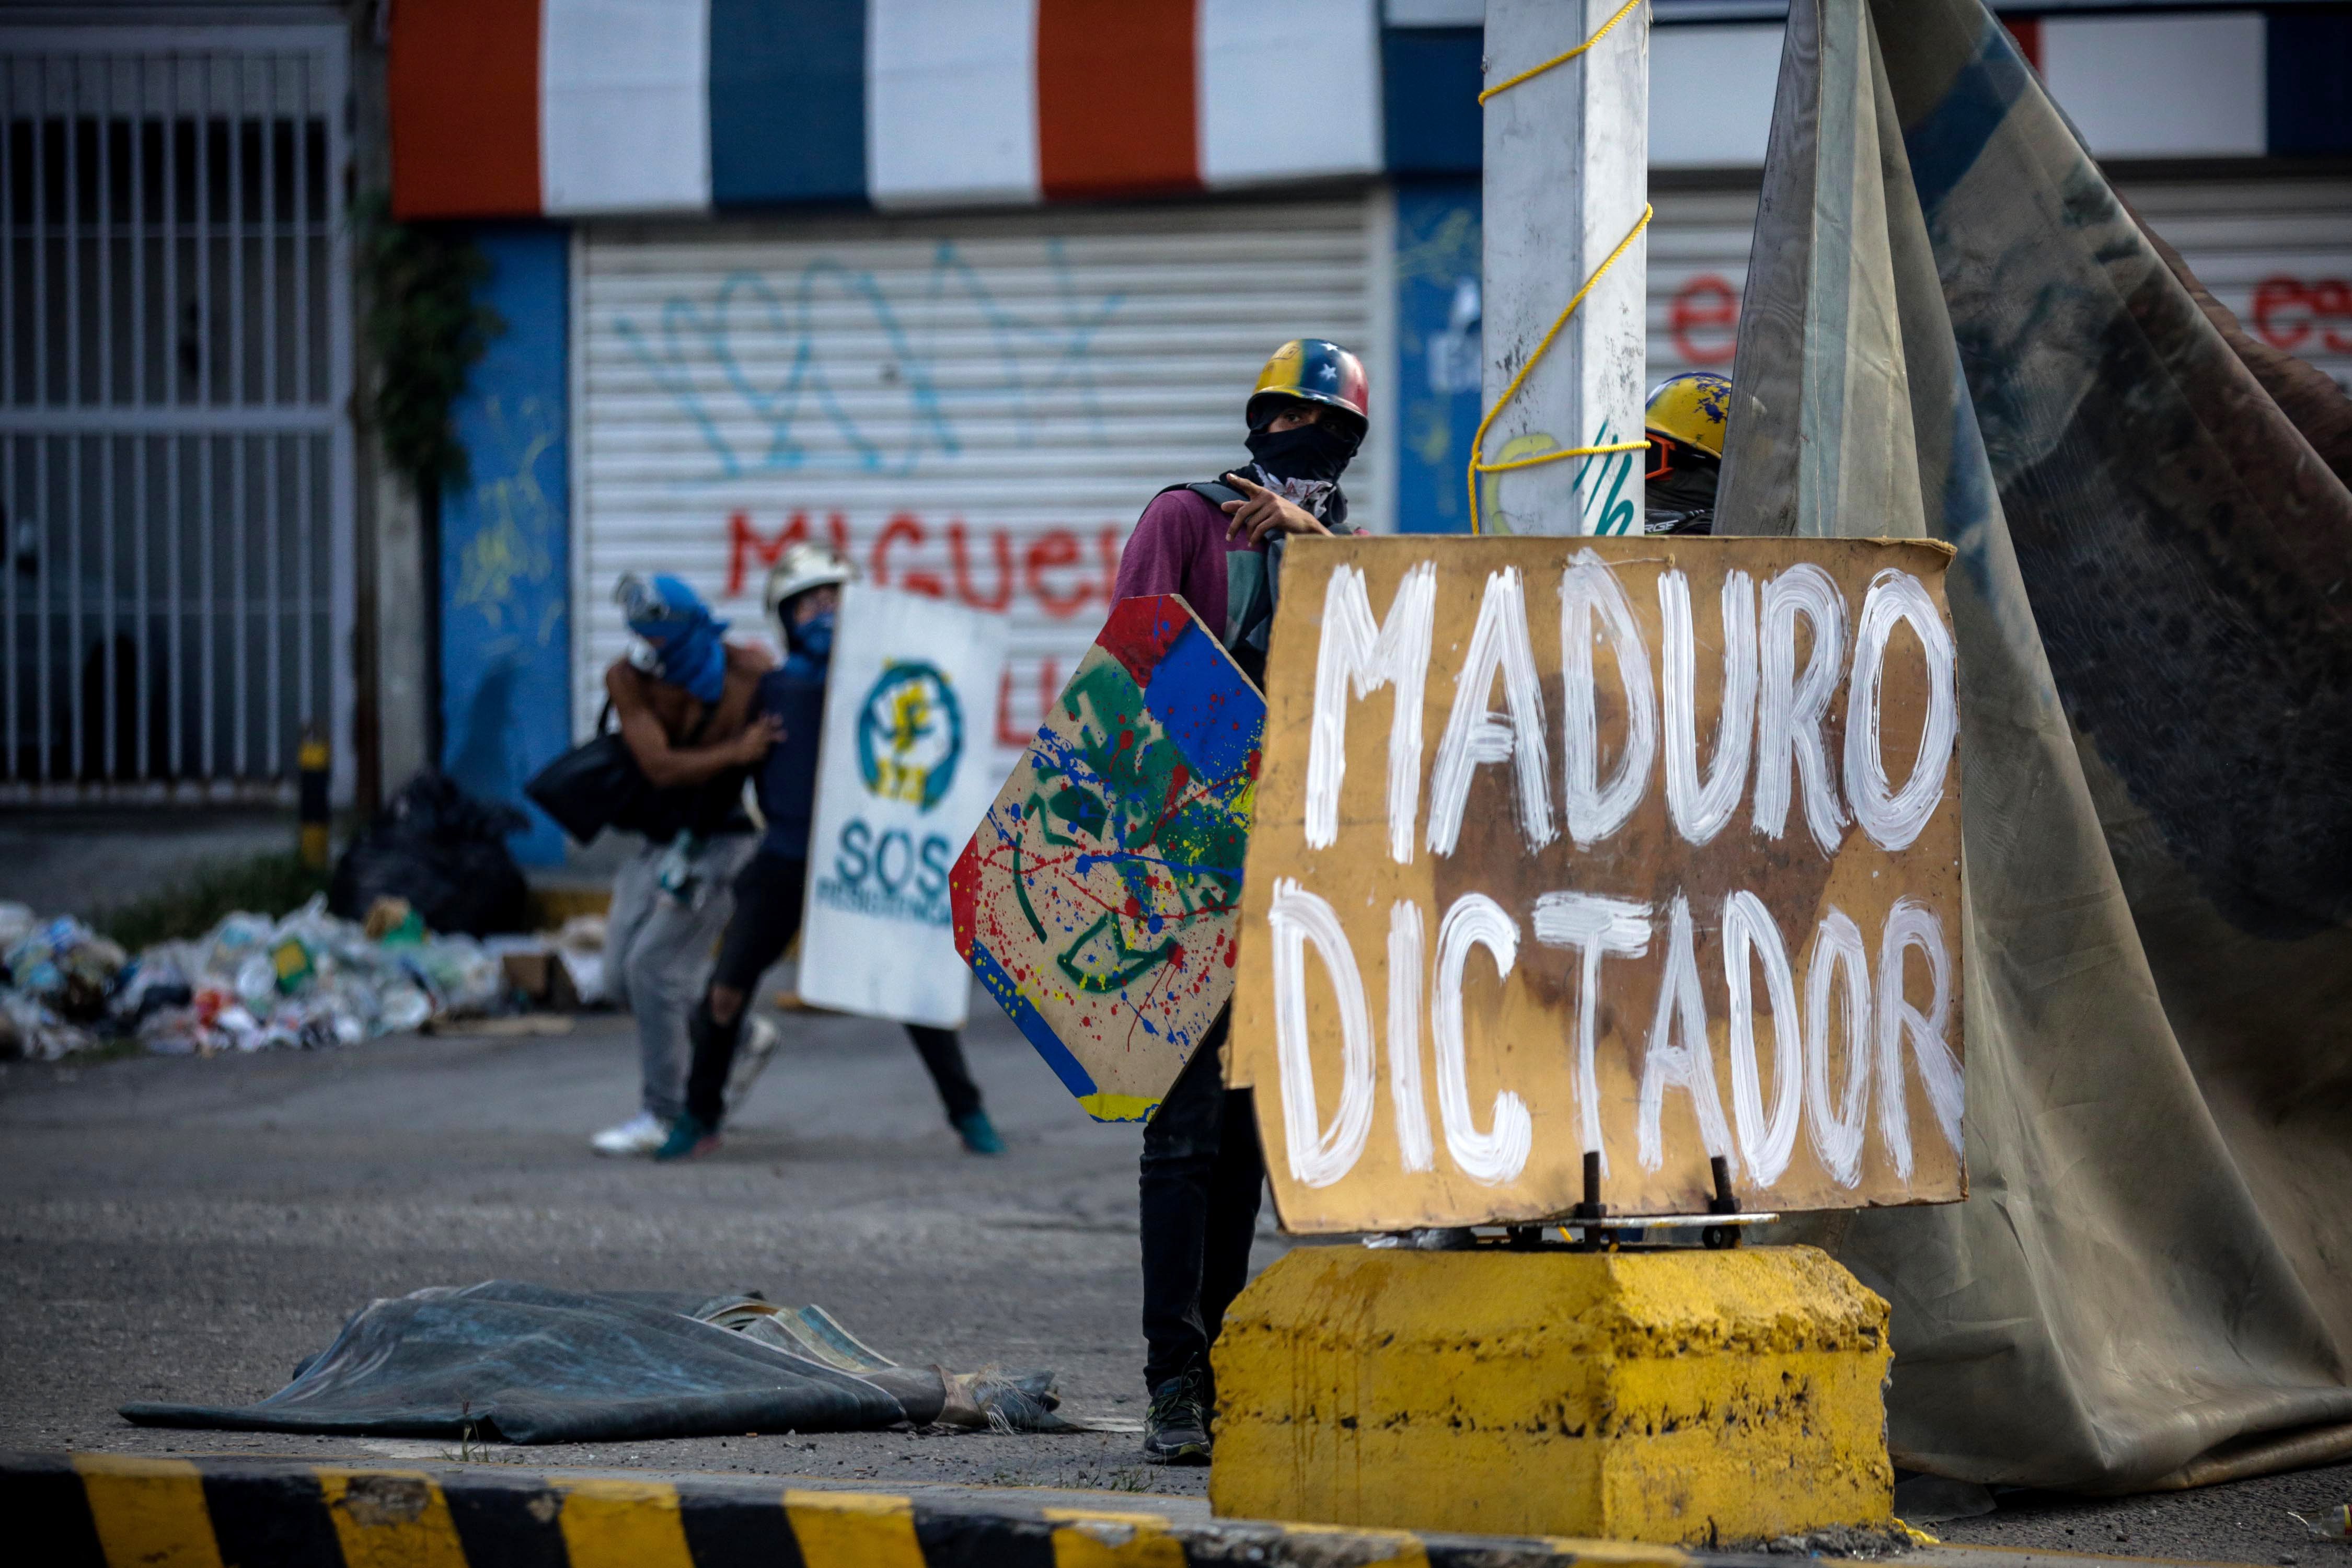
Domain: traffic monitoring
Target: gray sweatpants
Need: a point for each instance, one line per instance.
(658, 950)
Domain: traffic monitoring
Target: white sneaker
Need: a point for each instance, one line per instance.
(640, 1134)
(761, 1038)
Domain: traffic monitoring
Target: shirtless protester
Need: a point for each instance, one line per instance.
(684, 696)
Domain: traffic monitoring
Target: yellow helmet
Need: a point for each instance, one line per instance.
(1691, 409)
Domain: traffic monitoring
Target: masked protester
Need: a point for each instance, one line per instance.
(684, 696)
(1219, 543)
(804, 595)
(1684, 420)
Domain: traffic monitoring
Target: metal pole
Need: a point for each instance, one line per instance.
(44, 761)
(174, 544)
(143, 524)
(306, 686)
(273, 447)
(239, 397)
(11, 497)
(75, 387)
(1566, 166)
(207, 710)
(108, 445)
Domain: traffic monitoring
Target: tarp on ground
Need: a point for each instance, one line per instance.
(1953, 327)
(527, 1363)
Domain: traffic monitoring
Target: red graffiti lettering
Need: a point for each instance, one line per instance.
(1049, 686)
(745, 546)
(2288, 312)
(1057, 549)
(956, 553)
(905, 526)
(1710, 305)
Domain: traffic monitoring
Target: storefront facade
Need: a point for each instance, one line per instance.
(970, 350)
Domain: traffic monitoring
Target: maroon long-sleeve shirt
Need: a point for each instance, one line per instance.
(1179, 546)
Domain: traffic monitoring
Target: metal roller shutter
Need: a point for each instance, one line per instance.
(978, 407)
(2277, 250)
(1698, 267)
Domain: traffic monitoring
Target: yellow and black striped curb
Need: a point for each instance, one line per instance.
(119, 1511)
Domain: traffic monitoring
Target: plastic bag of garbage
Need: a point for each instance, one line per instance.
(443, 851)
(464, 977)
(155, 980)
(405, 1006)
(66, 965)
(31, 1029)
(236, 938)
(16, 921)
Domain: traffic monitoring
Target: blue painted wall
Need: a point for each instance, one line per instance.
(1438, 350)
(506, 576)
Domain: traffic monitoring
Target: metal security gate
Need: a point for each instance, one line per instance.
(174, 470)
(976, 408)
(2275, 248)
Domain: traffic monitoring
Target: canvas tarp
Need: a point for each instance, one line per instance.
(1953, 327)
(506, 1361)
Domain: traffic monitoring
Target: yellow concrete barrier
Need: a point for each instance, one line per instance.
(1684, 1396)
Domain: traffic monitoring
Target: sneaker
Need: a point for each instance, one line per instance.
(761, 1038)
(1176, 1427)
(979, 1133)
(640, 1134)
(688, 1139)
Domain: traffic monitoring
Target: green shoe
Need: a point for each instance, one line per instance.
(979, 1133)
(688, 1139)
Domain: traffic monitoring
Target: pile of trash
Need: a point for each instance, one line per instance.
(308, 980)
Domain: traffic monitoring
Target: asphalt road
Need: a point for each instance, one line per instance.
(187, 1230)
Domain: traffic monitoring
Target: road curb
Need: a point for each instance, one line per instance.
(111, 1511)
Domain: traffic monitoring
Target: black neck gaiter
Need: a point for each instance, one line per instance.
(1303, 465)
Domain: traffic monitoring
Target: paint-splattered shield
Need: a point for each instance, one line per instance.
(1098, 901)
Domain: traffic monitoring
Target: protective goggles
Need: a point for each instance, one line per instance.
(1666, 455)
(641, 601)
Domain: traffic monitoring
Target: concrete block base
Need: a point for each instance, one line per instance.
(1677, 1397)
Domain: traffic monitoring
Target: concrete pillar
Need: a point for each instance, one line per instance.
(1567, 174)
(1681, 1397)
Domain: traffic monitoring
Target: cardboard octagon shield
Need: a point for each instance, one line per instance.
(1645, 845)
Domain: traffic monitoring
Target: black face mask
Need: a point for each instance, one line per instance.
(1303, 452)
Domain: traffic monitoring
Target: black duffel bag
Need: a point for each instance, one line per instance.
(598, 784)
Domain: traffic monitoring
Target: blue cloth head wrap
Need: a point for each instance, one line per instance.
(678, 627)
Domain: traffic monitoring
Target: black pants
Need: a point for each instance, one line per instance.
(1200, 1187)
(767, 916)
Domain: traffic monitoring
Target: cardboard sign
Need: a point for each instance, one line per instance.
(1097, 901)
(1643, 846)
(901, 777)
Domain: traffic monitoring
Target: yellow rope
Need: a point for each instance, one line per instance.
(1479, 464)
(1531, 72)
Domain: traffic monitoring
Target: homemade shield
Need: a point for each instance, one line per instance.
(898, 786)
(1608, 847)
(1097, 901)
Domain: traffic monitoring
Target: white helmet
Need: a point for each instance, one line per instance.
(804, 565)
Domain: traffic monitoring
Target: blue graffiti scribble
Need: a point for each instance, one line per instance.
(692, 354)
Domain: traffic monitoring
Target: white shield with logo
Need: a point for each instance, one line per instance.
(903, 776)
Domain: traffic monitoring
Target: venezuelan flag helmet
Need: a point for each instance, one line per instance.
(1685, 415)
(1311, 370)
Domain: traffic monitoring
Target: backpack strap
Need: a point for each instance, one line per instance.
(1215, 492)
